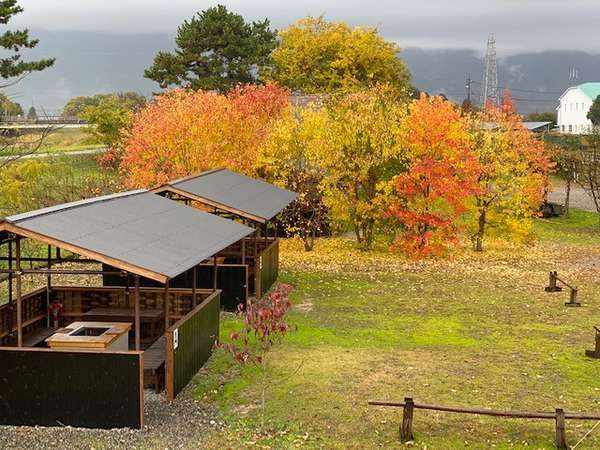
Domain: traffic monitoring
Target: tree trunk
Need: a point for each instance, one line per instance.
(567, 196)
(480, 232)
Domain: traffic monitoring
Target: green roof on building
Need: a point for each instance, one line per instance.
(592, 90)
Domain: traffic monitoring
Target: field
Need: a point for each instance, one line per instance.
(472, 330)
(59, 140)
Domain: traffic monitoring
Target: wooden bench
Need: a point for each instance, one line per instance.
(38, 336)
(154, 365)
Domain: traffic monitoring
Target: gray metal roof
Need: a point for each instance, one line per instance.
(255, 198)
(136, 228)
(535, 125)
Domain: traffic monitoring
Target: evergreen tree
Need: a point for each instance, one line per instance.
(32, 113)
(216, 50)
(13, 42)
(594, 112)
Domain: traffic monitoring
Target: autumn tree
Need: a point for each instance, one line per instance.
(183, 131)
(285, 160)
(216, 50)
(441, 177)
(359, 153)
(513, 179)
(508, 105)
(564, 150)
(8, 107)
(588, 167)
(317, 56)
(265, 324)
(131, 101)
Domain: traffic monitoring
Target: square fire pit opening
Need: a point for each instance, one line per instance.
(90, 331)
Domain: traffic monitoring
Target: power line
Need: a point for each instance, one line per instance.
(524, 90)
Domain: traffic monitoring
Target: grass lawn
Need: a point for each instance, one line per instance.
(472, 330)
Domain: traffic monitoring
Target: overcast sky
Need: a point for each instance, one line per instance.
(520, 25)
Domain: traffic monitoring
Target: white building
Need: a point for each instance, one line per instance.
(573, 107)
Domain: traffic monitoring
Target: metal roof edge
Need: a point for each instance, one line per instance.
(64, 206)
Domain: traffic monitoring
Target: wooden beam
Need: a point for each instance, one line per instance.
(137, 313)
(83, 252)
(19, 294)
(166, 305)
(208, 202)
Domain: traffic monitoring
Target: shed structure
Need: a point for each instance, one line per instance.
(253, 261)
(140, 236)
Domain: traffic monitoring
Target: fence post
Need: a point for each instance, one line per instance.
(561, 440)
(407, 418)
(552, 287)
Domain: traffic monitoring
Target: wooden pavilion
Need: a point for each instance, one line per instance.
(250, 266)
(85, 379)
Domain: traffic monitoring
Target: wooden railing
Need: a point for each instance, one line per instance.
(34, 311)
(80, 299)
(559, 416)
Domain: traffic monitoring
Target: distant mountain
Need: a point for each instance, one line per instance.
(535, 79)
(89, 63)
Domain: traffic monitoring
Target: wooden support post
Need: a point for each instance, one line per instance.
(48, 286)
(243, 250)
(19, 288)
(137, 313)
(214, 272)
(573, 298)
(10, 275)
(166, 305)
(194, 278)
(561, 439)
(552, 286)
(406, 433)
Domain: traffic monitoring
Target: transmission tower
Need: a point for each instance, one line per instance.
(489, 86)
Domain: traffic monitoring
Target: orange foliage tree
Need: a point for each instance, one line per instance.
(508, 104)
(441, 176)
(184, 131)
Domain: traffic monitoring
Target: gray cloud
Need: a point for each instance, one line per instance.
(520, 25)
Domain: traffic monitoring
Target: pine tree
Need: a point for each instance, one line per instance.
(14, 42)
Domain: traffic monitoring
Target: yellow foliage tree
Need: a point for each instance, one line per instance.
(316, 56)
(359, 151)
(513, 178)
(284, 160)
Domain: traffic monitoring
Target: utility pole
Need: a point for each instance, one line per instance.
(468, 86)
(490, 92)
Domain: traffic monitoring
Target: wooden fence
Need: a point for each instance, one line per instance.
(268, 268)
(559, 416)
(189, 344)
(43, 387)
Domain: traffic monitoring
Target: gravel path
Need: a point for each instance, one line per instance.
(579, 199)
(168, 425)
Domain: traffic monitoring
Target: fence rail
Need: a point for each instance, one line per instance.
(559, 416)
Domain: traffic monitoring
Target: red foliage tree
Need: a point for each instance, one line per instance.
(265, 324)
(183, 131)
(442, 174)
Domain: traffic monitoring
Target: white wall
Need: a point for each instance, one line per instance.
(572, 112)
